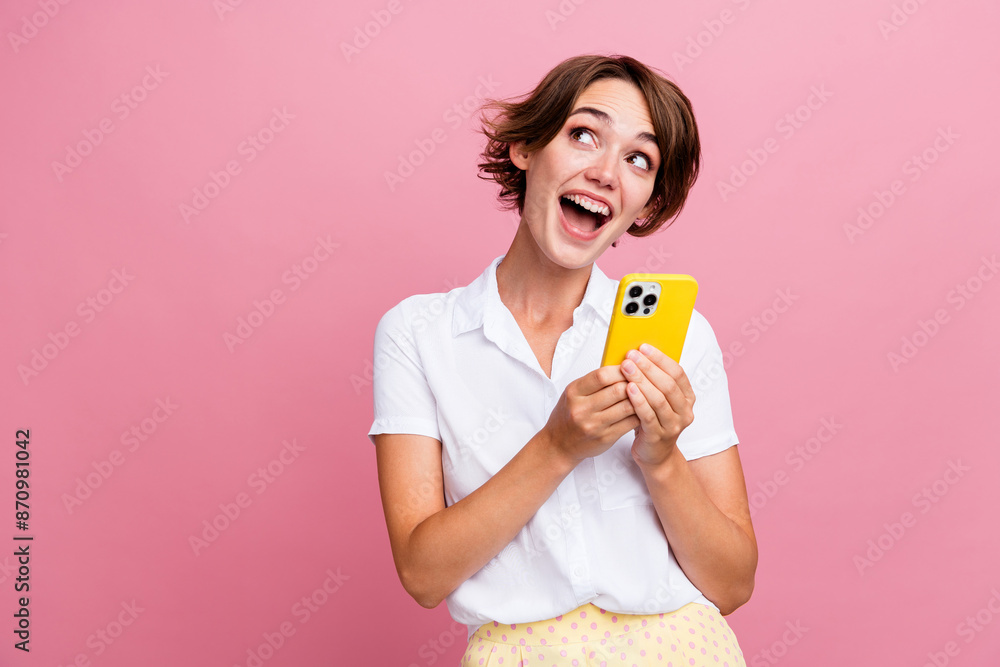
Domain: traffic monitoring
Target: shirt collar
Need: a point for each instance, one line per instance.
(480, 300)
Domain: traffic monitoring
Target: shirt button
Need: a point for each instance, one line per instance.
(579, 572)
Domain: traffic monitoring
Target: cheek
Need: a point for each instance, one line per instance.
(640, 196)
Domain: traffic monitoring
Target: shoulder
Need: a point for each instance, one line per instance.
(415, 313)
(700, 331)
(700, 344)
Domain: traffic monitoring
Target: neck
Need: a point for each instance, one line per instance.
(535, 289)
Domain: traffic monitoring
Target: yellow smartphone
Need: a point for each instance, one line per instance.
(652, 308)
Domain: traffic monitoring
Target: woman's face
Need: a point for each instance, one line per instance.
(605, 159)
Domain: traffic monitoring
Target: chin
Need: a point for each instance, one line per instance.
(569, 257)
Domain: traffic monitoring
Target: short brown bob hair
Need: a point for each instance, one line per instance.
(538, 117)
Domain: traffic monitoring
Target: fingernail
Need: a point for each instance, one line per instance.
(628, 367)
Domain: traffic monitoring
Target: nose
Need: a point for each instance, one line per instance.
(604, 169)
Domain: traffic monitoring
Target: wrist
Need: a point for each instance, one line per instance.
(660, 464)
(555, 456)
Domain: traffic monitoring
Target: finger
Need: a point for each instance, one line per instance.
(597, 380)
(668, 366)
(623, 426)
(648, 417)
(663, 381)
(611, 397)
(651, 394)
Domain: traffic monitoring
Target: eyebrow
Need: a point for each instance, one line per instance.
(606, 119)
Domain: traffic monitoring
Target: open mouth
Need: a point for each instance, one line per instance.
(583, 213)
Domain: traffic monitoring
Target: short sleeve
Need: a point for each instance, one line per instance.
(403, 400)
(712, 430)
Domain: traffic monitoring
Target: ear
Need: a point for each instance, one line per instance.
(520, 157)
(647, 210)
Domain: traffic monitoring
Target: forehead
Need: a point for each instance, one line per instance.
(620, 99)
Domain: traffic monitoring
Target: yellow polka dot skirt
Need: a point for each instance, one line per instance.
(693, 636)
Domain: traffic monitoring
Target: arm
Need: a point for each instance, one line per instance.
(702, 504)
(436, 548)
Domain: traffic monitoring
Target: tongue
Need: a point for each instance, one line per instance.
(579, 218)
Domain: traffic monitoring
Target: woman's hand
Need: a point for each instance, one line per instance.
(591, 415)
(663, 400)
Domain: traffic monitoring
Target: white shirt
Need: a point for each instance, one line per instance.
(455, 366)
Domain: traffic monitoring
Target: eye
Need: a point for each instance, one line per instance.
(642, 161)
(582, 133)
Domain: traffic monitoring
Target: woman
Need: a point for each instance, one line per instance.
(568, 513)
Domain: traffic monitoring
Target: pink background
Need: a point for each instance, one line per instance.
(923, 86)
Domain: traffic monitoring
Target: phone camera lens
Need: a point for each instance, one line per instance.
(649, 300)
(631, 307)
(635, 291)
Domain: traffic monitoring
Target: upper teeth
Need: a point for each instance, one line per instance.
(589, 204)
